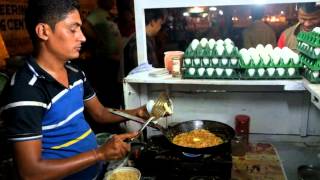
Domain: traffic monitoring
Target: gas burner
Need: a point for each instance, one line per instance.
(159, 154)
(191, 155)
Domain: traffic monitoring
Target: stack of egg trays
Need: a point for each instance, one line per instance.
(205, 57)
(312, 76)
(265, 73)
(210, 73)
(270, 63)
(311, 51)
(312, 64)
(309, 48)
(312, 38)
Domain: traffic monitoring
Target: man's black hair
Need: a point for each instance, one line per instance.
(153, 14)
(47, 11)
(310, 7)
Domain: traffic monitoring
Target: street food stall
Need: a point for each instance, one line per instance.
(280, 109)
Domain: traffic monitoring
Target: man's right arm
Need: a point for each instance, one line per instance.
(31, 165)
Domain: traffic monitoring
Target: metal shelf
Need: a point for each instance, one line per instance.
(144, 77)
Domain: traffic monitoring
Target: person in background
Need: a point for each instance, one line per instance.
(309, 17)
(258, 32)
(126, 21)
(108, 53)
(42, 106)
(154, 18)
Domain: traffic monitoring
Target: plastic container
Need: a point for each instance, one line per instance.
(168, 55)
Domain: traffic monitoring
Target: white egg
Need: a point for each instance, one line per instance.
(252, 50)
(251, 72)
(277, 50)
(228, 41)
(187, 61)
(271, 71)
(203, 42)
(286, 50)
(246, 59)
(317, 51)
(316, 29)
(275, 57)
(286, 58)
(268, 48)
(201, 71)
(260, 48)
(315, 74)
(219, 71)
(211, 43)
(229, 48)
(243, 51)
(220, 42)
(205, 61)
(261, 71)
(234, 61)
(219, 49)
(256, 58)
(215, 61)
(295, 58)
(210, 71)
(229, 72)
(191, 71)
(194, 44)
(224, 61)
(196, 61)
(265, 58)
(280, 71)
(291, 71)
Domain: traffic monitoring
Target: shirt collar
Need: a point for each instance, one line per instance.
(37, 70)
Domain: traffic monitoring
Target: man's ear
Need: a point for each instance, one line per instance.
(42, 30)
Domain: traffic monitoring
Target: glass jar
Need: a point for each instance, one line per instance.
(176, 65)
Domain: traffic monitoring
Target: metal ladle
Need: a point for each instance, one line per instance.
(161, 108)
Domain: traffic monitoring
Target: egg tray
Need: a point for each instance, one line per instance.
(312, 76)
(206, 75)
(310, 51)
(212, 62)
(313, 64)
(202, 52)
(265, 76)
(261, 64)
(311, 38)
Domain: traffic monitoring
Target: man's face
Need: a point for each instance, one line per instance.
(66, 38)
(309, 20)
(157, 25)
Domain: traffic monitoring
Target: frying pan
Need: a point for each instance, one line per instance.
(224, 131)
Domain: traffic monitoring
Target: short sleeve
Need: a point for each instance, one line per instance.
(88, 90)
(22, 112)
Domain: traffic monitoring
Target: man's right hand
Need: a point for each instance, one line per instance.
(115, 148)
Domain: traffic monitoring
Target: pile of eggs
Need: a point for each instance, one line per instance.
(211, 59)
(271, 72)
(219, 47)
(211, 72)
(268, 57)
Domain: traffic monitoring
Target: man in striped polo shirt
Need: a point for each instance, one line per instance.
(43, 104)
